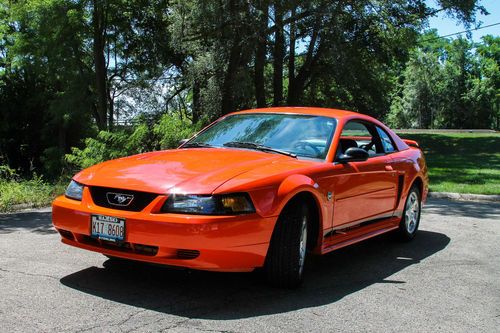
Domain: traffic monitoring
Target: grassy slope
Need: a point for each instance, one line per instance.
(461, 162)
(27, 194)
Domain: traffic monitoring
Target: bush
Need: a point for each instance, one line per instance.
(7, 173)
(14, 191)
(171, 130)
(143, 137)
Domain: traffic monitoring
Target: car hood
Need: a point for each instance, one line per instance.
(196, 171)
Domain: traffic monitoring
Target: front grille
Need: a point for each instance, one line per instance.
(145, 250)
(138, 203)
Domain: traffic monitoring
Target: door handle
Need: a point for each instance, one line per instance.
(388, 168)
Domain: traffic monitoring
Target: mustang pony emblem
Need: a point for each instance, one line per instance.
(119, 199)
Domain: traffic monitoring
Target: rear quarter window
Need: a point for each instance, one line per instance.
(387, 143)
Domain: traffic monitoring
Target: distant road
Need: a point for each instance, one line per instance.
(418, 130)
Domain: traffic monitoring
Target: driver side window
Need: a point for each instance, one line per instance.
(358, 134)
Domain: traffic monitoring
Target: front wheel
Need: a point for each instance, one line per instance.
(287, 252)
(411, 216)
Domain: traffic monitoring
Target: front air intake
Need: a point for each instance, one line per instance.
(126, 247)
(188, 254)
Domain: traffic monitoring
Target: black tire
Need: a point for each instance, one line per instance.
(287, 251)
(410, 221)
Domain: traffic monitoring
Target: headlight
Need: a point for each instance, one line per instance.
(74, 190)
(225, 204)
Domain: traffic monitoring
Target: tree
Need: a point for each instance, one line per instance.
(448, 84)
(243, 52)
(68, 61)
(486, 87)
(78, 67)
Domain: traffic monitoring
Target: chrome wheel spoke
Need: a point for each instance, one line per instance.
(412, 211)
(303, 244)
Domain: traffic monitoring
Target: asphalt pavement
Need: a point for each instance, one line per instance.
(446, 280)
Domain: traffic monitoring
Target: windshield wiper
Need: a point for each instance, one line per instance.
(256, 146)
(197, 145)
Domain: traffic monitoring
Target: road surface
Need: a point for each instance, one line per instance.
(446, 280)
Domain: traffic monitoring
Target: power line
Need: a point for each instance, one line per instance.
(460, 32)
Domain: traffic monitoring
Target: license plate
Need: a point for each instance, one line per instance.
(107, 227)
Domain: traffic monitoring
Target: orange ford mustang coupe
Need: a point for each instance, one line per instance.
(257, 188)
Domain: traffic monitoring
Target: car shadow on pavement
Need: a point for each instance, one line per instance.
(226, 296)
(37, 222)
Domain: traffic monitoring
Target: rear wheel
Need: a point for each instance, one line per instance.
(411, 215)
(286, 257)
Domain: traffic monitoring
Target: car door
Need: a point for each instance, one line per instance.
(364, 190)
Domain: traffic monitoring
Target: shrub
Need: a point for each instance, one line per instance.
(171, 130)
(143, 137)
(13, 191)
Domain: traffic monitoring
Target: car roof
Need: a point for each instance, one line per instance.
(335, 113)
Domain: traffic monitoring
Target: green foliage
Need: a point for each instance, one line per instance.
(171, 130)
(108, 145)
(449, 84)
(165, 134)
(7, 173)
(71, 70)
(44, 84)
(25, 194)
(14, 191)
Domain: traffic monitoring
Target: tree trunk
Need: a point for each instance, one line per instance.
(297, 83)
(227, 87)
(260, 54)
(111, 106)
(196, 102)
(278, 55)
(233, 65)
(100, 63)
(291, 58)
(62, 138)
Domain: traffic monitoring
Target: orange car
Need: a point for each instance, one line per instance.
(257, 188)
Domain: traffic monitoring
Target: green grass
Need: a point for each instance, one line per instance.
(461, 162)
(26, 194)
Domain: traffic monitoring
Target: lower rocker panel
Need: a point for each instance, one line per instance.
(355, 235)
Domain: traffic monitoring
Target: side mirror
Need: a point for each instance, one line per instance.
(353, 155)
(183, 141)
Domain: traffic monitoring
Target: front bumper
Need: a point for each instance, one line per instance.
(217, 243)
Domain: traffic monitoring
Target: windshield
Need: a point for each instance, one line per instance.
(302, 135)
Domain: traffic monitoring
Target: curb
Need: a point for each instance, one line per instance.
(464, 196)
(26, 208)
